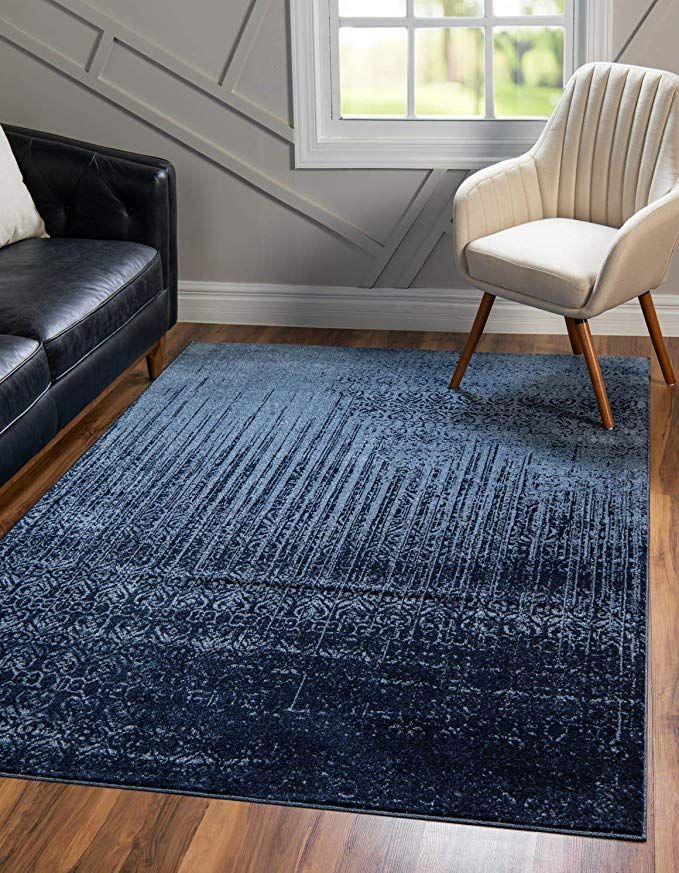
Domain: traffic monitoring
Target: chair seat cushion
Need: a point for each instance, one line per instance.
(555, 259)
(24, 377)
(71, 295)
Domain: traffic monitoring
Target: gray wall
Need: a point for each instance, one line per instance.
(206, 83)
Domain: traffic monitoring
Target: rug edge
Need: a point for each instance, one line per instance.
(636, 838)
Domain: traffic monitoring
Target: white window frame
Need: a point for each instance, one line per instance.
(324, 140)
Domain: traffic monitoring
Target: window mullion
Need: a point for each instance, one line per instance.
(570, 39)
(488, 21)
(410, 17)
(489, 71)
(335, 91)
(513, 21)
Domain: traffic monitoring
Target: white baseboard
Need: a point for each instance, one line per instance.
(437, 309)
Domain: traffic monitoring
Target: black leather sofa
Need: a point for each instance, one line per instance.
(79, 308)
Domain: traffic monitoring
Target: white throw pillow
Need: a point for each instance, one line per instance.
(19, 219)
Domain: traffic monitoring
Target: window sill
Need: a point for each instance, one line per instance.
(399, 154)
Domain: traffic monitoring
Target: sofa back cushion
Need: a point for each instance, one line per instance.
(19, 219)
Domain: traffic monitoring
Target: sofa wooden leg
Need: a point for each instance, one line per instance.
(155, 360)
(587, 346)
(653, 325)
(573, 336)
(473, 339)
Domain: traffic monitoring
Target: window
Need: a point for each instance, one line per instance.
(433, 83)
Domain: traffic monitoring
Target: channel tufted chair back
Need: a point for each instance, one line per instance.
(588, 218)
(612, 145)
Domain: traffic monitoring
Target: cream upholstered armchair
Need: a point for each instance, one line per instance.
(587, 219)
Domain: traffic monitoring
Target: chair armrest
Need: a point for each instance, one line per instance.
(94, 192)
(639, 257)
(494, 199)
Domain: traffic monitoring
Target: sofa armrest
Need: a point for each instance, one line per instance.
(89, 191)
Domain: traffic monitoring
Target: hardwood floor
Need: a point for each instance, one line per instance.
(52, 828)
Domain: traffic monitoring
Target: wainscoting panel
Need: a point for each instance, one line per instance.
(214, 79)
(67, 33)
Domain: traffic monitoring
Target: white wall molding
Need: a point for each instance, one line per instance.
(649, 6)
(599, 23)
(172, 127)
(220, 91)
(435, 309)
(399, 234)
(408, 218)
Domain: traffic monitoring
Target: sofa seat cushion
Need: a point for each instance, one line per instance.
(24, 377)
(555, 259)
(71, 295)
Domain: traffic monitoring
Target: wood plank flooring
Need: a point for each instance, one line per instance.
(52, 828)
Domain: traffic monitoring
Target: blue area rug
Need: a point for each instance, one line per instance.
(316, 576)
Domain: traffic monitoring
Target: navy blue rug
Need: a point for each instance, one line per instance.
(316, 576)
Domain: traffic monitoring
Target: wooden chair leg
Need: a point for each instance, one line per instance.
(473, 339)
(587, 346)
(155, 359)
(653, 325)
(573, 336)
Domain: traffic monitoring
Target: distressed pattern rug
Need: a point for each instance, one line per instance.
(316, 576)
